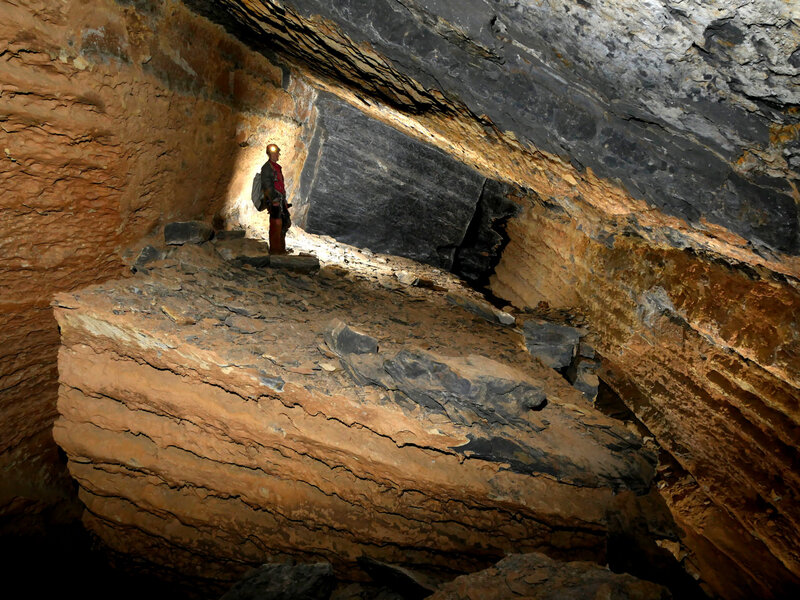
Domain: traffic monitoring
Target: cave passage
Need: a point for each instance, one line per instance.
(538, 330)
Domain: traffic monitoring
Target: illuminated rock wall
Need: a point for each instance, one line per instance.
(115, 116)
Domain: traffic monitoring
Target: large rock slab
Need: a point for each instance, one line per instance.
(233, 438)
(243, 251)
(369, 185)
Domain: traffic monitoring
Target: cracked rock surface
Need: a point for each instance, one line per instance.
(211, 427)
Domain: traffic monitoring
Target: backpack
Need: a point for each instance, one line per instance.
(257, 195)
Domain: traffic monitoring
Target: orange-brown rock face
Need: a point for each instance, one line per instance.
(210, 426)
(112, 119)
(706, 352)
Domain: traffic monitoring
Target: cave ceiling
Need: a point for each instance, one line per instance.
(692, 107)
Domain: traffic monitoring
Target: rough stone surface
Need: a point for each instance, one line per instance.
(369, 185)
(116, 118)
(243, 251)
(187, 232)
(691, 105)
(538, 577)
(705, 352)
(285, 582)
(294, 262)
(213, 444)
(117, 112)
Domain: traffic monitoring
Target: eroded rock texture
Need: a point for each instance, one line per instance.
(115, 115)
(706, 354)
(210, 426)
(369, 185)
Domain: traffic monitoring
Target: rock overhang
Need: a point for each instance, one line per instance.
(691, 107)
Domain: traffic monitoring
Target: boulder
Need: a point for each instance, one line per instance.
(343, 340)
(147, 255)
(187, 232)
(209, 431)
(369, 185)
(481, 308)
(537, 577)
(244, 251)
(582, 372)
(555, 345)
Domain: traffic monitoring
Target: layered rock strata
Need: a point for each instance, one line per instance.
(114, 116)
(211, 427)
(707, 355)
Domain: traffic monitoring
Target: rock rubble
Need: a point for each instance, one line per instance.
(537, 577)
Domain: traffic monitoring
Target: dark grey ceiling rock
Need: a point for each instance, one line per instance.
(369, 185)
(677, 99)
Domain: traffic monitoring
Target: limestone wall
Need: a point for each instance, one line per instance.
(705, 352)
(115, 116)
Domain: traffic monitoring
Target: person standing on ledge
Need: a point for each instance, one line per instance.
(274, 192)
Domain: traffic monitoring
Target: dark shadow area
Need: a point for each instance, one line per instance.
(483, 244)
(65, 561)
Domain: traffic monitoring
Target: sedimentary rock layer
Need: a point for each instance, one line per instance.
(707, 354)
(210, 427)
(114, 116)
